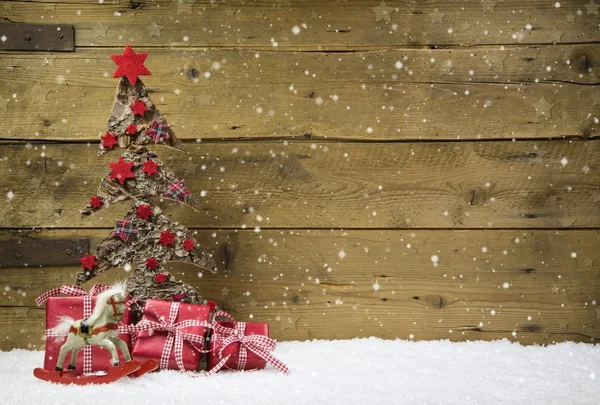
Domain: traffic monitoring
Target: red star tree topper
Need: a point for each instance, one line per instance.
(109, 140)
(166, 238)
(130, 65)
(144, 211)
(88, 262)
(138, 107)
(121, 170)
(150, 168)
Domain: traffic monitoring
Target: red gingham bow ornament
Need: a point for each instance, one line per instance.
(260, 345)
(76, 291)
(175, 336)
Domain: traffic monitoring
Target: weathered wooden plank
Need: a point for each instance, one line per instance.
(314, 24)
(572, 63)
(541, 285)
(542, 184)
(233, 95)
(36, 37)
(22, 251)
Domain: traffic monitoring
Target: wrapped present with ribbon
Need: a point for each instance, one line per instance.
(77, 304)
(245, 345)
(171, 332)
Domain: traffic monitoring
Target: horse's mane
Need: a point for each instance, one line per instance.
(101, 301)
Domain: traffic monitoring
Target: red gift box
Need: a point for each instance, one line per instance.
(171, 332)
(246, 343)
(57, 307)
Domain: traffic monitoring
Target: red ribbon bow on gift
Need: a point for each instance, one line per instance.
(175, 336)
(76, 291)
(260, 345)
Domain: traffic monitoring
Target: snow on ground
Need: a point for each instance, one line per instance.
(359, 371)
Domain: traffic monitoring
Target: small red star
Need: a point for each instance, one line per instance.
(88, 262)
(96, 202)
(166, 238)
(144, 211)
(211, 305)
(150, 168)
(131, 129)
(160, 278)
(121, 170)
(152, 263)
(189, 245)
(138, 107)
(130, 65)
(109, 140)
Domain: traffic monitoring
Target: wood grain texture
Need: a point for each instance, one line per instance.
(325, 185)
(324, 24)
(483, 94)
(341, 284)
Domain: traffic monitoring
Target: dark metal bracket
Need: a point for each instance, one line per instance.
(36, 37)
(27, 251)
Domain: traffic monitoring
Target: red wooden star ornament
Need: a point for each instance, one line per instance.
(166, 238)
(152, 263)
(138, 107)
(109, 140)
(144, 211)
(88, 262)
(121, 170)
(150, 168)
(130, 65)
(96, 202)
(189, 245)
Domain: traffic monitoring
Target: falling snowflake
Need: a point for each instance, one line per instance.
(342, 254)
(10, 195)
(376, 286)
(564, 161)
(434, 260)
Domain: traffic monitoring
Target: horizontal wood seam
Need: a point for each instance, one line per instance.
(312, 139)
(270, 228)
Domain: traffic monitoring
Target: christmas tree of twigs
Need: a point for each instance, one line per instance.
(145, 238)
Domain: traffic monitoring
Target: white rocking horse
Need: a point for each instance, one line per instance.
(100, 329)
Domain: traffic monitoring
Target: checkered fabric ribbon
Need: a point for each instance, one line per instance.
(175, 336)
(124, 229)
(260, 345)
(177, 191)
(158, 131)
(76, 291)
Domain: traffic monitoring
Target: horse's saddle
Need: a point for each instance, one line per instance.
(85, 329)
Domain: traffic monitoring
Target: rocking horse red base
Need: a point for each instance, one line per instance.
(132, 369)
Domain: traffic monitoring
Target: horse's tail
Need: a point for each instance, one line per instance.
(63, 326)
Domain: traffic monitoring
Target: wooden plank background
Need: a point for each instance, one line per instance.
(427, 171)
